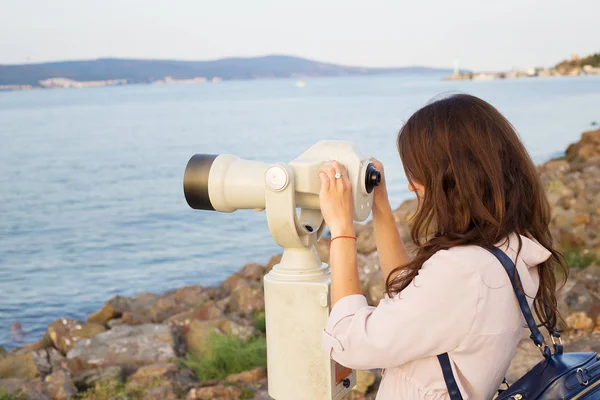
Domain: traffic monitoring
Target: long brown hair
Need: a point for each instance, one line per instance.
(480, 186)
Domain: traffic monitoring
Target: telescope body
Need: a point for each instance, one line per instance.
(297, 300)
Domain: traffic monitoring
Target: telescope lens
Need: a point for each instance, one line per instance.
(195, 181)
(372, 178)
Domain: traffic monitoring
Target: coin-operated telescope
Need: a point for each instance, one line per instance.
(297, 301)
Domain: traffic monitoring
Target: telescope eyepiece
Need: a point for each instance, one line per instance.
(372, 178)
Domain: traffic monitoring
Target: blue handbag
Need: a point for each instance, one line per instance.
(560, 376)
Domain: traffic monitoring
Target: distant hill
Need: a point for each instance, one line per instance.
(146, 71)
(591, 60)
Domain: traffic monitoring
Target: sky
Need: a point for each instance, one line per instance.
(480, 34)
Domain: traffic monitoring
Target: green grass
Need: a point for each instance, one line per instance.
(108, 391)
(227, 355)
(6, 396)
(260, 321)
(579, 258)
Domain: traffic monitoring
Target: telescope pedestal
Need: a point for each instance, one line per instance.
(297, 308)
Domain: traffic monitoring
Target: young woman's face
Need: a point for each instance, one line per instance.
(417, 188)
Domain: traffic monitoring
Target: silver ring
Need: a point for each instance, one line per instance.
(338, 175)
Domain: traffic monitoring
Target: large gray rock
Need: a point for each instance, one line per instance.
(128, 346)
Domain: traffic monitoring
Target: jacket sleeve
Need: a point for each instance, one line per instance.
(432, 315)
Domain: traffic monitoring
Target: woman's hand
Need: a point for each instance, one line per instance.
(336, 198)
(380, 194)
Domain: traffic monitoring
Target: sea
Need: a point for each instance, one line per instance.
(91, 198)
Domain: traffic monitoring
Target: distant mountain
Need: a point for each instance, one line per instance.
(146, 71)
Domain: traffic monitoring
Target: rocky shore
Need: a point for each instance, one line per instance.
(576, 66)
(208, 342)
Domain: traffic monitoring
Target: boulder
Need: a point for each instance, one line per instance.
(242, 329)
(167, 306)
(103, 315)
(163, 375)
(59, 386)
(193, 295)
(113, 308)
(251, 377)
(136, 317)
(209, 310)
(197, 333)
(143, 301)
(217, 392)
(587, 148)
(48, 360)
(580, 293)
(65, 333)
(183, 300)
(34, 390)
(231, 282)
(110, 376)
(124, 345)
(20, 365)
(216, 293)
(247, 297)
(251, 272)
(43, 343)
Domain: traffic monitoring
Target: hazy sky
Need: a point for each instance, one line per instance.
(481, 34)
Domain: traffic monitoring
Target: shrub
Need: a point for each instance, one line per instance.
(227, 355)
(260, 321)
(579, 257)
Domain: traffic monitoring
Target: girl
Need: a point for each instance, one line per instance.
(476, 186)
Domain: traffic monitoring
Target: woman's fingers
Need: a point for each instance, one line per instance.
(331, 169)
(325, 182)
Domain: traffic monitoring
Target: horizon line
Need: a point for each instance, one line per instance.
(219, 59)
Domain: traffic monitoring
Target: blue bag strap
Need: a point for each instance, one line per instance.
(453, 390)
(515, 281)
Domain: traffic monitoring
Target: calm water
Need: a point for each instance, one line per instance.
(91, 201)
